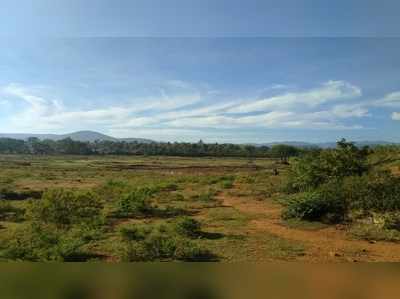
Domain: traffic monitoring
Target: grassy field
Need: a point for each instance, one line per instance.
(215, 209)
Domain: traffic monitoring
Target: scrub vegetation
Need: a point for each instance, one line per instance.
(309, 204)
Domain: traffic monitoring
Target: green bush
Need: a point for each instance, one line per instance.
(318, 168)
(392, 221)
(326, 204)
(135, 232)
(187, 227)
(113, 189)
(136, 203)
(43, 243)
(64, 208)
(159, 244)
(371, 232)
(377, 191)
(10, 213)
(205, 196)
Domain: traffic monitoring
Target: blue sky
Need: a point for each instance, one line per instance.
(57, 75)
(200, 17)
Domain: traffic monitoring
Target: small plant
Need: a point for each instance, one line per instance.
(113, 189)
(206, 196)
(136, 203)
(10, 213)
(326, 204)
(372, 232)
(178, 197)
(187, 227)
(392, 221)
(135, 233)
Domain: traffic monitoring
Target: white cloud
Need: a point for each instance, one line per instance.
(390, 100)
(42, 114)
(189, 109)
(329, 91)
(396, 115)
(347, 111)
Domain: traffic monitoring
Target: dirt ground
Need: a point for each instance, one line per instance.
(328, 244)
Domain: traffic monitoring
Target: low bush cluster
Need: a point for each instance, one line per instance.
(61, 223)
(136, 203)
(10, 213)
(326, 203)
(334, 184)
(188, 227)
(65, 208)
(146, 243)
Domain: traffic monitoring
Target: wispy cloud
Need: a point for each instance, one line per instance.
(329, 91)
(182, 107)
(396, 115)
(391, 100)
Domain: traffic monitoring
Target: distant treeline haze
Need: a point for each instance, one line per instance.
(35, 146)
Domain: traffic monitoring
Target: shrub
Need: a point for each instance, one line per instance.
(187, 227)
(206, 196)
(43, 243)
(318, 168)
(64, 208)
(10, 213)
(113, 189)
(136, 203)
(371, 232)
(190, 251)
(135, 233)
(158, 244)
(392, 221)
(326, 204)
(377, 191)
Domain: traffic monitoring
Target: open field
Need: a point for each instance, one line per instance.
(234, 203)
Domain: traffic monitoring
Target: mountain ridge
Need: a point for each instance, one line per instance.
(84, 136)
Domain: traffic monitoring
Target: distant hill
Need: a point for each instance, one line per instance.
(85, 136)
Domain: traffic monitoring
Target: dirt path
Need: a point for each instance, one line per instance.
(323, 245)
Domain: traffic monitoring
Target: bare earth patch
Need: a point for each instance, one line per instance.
(330, 244)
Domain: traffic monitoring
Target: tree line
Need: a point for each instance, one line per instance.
(35, 146)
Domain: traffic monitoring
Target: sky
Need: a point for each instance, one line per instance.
(213, 70)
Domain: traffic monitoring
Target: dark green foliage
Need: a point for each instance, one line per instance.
(70, 147)
(187, 227)
(326, 204)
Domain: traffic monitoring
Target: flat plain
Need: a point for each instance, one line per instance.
(235, 204)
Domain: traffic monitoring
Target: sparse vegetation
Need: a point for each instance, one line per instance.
(137, 208)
